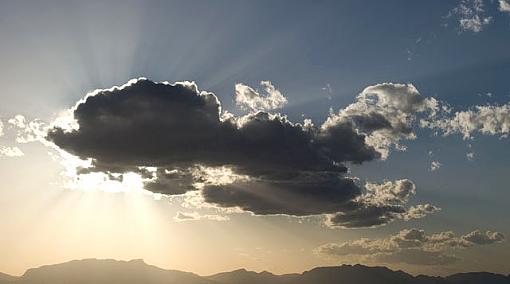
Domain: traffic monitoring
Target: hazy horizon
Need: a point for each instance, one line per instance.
(207, 136)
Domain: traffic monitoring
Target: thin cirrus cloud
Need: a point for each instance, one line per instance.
(412, 246)
(178, 138)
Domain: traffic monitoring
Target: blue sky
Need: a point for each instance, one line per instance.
(318, 54)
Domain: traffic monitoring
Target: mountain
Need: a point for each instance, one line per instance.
(478, 277)
(249, 277)
(93, 271)
(355, 274)
(6, 277)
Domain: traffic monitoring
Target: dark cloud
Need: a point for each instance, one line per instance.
(370, 122)
(163, 125)
(342, 143)
(173, 182)
(168, 132)
(299, 195)
(367, 216)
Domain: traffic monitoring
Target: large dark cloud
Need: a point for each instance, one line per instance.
(167, 132)
(156, 124)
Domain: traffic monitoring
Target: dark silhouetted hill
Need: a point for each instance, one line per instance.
(6, 277)
(250, 277)
(92, 271)
(478, 277)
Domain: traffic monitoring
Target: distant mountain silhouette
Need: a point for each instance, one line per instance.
(478, 277)
(92, 271)
(6, 277)
(249, 277)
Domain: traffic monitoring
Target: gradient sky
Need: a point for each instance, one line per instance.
(319, 55)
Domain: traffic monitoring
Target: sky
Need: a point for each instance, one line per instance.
(207, 136)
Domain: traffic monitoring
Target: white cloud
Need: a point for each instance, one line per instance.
(471, 15)
(10, 151)
(504, 6)
(475, 23)
(381, 204)
(435, 165)
(28, 131)
(488, 120)
(390, 192)
(411, 246)
(250, 99)
(328, 90)
(385, 113)
(194, 216)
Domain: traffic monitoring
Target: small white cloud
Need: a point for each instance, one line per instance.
(10, 151)
(475, 24)
(487, 119)
(194, 216)
(470, 156)
(471, 15)
(504, 6)
(329, 91)
(28, 131)
(250, 99)
(435, 165)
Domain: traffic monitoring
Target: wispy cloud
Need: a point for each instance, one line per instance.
(471, 15)
(194, 216)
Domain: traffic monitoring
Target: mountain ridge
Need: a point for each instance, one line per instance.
(103, 271)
